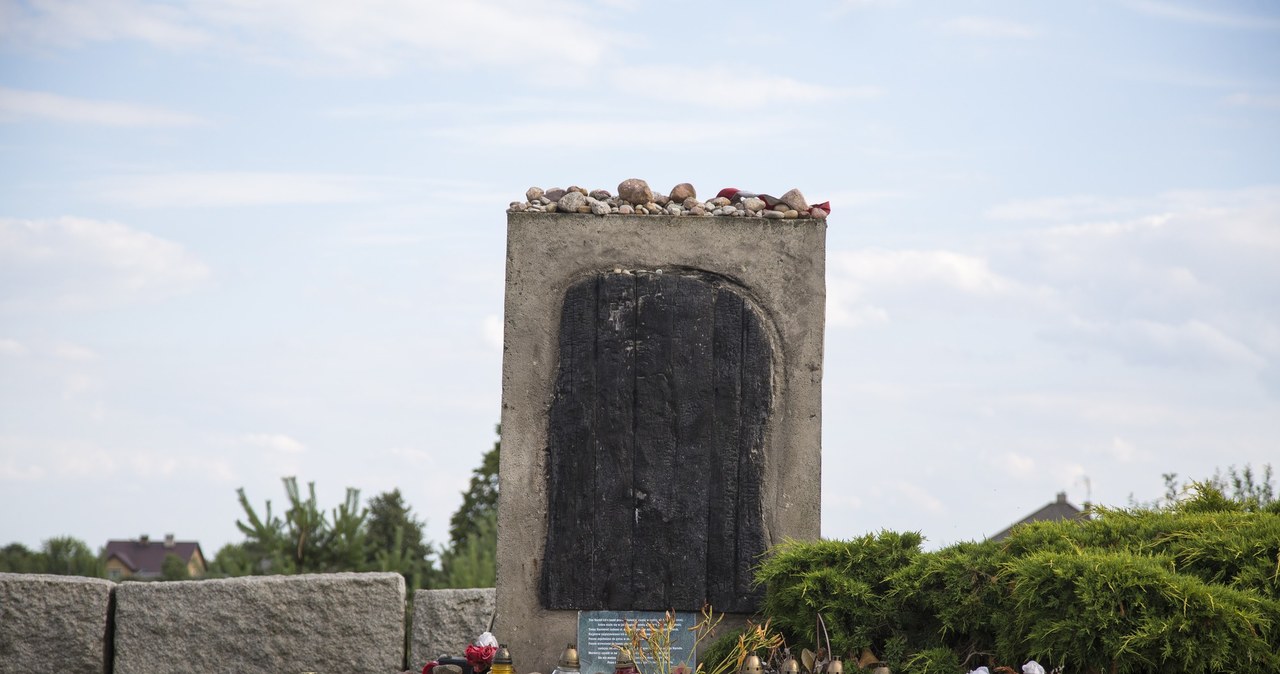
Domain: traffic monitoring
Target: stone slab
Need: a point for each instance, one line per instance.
(341, 622)
(54, 623)
(781, 264)
(446, 621)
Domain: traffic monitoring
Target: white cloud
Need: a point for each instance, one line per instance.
(74, 352)
(1062, 208)
(850, 198)
(492, 330)
(989, 27)
(77, 262)
(857, 279)
(1199, 15)
(378, 37)
(1248, 100)
(216, 189)
(13, 471)
(919, 497)
(1016, 465)
(12, 347)
(276, 442)
(419, 458)
(72, 23)
(1122, 450)
(720, 86)
(588, 133)
(19, 105)
(1193, 343)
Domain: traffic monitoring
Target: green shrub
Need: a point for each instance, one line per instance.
(1193, 587)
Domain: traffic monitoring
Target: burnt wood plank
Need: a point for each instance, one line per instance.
(655, 442)
(693, 309)
(756, 398)
(722, 496)
(570, 467)
(655, 445)
(614, 508)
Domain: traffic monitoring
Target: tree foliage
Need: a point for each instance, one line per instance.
(470, 560)
(480, 499)
(305, 540)
(173, 568)
(60, 555)
(395, 540)
(474, 563)
(1189, 586)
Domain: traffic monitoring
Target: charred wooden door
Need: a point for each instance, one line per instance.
(655, 444)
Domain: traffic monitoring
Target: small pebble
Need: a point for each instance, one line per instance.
(635, 198)
(682, 192)
(572, 201)
(635, 191)
(795, 200)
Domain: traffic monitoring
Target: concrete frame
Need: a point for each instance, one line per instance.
(781, 264)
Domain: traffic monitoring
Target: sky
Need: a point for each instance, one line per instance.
(242, 240)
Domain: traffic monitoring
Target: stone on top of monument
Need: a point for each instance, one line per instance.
(635, 197)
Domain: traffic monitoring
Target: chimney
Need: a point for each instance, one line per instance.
(144, 539)
(1062, 497)
(168, 539)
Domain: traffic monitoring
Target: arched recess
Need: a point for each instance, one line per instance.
(656, 444)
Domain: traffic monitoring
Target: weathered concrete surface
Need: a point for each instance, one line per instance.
(781, 264)
(53, 623)
(446, 621)
(342, 622)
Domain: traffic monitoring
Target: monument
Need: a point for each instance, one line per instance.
(661, 412)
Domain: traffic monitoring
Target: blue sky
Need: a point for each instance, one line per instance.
(242, 240)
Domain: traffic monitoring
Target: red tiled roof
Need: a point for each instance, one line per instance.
(148, 558)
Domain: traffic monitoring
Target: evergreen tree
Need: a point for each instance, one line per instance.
(18, 558)
(471, 558)
(474, 563)
(480, 498)
(173, 568)
(67, 556)
(394, 540)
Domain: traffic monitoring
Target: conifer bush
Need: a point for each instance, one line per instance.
(1187, 587)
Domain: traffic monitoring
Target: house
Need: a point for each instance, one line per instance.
(1055, 510)
(143, 559)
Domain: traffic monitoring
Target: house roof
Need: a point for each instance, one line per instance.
(146, 556)
(1059, 509)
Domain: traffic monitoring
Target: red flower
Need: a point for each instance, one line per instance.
(426, 669)
(480, 657)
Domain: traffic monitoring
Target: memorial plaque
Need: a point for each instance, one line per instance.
(600, 632)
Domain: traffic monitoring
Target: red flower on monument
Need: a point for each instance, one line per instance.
(426, 669)
(480, 657)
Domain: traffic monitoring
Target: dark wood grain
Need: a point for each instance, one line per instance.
(656, 445)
